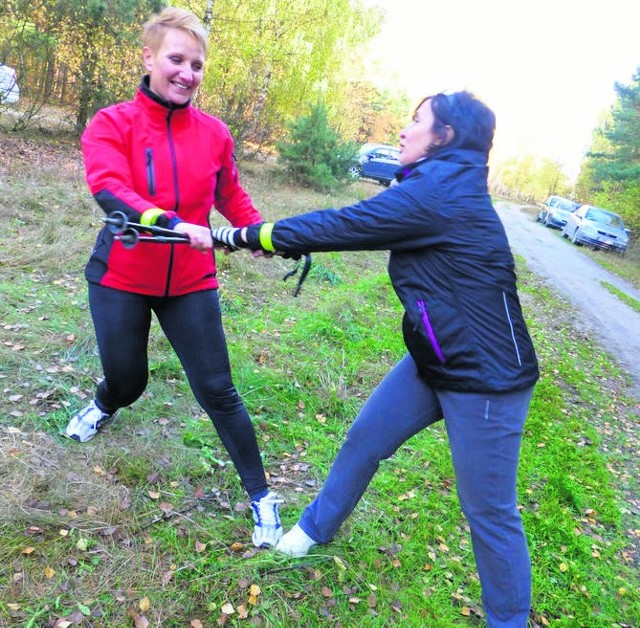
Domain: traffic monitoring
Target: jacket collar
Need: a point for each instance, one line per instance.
(169, 106)
(454, 155)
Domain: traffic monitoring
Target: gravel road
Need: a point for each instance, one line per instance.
(614, 324)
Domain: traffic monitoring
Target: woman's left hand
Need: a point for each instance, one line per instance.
(199, 237)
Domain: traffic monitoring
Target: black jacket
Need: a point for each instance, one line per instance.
(450, 265)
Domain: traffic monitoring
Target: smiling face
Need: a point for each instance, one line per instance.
(419, 137)
(176, 67)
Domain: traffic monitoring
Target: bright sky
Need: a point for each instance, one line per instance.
(546, 67)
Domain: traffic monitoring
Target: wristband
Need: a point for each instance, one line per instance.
(259, 237)
(149, 217)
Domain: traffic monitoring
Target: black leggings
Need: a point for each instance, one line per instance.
(193, 325)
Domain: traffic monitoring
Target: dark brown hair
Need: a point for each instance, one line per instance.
(473, 123)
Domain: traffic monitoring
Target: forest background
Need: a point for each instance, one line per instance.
(148, 526)
(270, 61)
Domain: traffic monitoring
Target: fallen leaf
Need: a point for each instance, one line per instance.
(140, 621)
(85, 610)
(28, 550)
(144, 604)
(227, 608)
(338, 561)
(254, 590)
(200, 547)
(49, 572)
(82, 544)
(167, 576)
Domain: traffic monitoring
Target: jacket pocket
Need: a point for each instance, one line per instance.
(151, 175)
(428, 328)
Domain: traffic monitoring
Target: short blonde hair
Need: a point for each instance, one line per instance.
(156, 27)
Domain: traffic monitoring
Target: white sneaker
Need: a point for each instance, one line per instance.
(267, 530)
(85, 425)
(295, 543)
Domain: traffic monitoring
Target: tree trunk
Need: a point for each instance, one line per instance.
(88, 71)
(207, 20)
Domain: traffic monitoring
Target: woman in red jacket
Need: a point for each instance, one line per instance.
(162, 162)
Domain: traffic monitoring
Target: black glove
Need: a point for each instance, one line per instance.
(229, 237)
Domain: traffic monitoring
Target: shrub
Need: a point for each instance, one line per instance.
(314, 155)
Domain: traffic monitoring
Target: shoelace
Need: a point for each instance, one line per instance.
(265, 509)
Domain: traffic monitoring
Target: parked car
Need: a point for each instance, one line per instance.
(598, 228)
(9, 90)
(379, 162)
(555, 210)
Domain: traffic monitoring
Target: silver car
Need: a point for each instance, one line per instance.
(596, 227)
(555, 210)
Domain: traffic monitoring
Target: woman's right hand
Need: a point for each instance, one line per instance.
(199, 237)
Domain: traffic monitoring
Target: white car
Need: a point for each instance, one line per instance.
(597, 228)
(9, 90)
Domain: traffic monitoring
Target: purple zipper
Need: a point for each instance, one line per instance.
(422, 306)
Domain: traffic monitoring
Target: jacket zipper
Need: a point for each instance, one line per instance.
(513, 335)
(177, 203)
(151, 176)
(422, 306)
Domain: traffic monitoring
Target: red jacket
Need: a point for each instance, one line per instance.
(147, 153)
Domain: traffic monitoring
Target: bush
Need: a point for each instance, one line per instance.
(314, 155)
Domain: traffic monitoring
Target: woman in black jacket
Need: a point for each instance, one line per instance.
(470, 358)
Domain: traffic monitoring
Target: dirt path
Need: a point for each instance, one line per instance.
(614, 324)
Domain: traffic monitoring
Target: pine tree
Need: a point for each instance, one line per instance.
(314, 154)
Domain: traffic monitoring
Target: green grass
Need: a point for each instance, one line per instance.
(623, 296)
(150, 520)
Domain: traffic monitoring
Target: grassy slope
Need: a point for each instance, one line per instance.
(148, 522)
